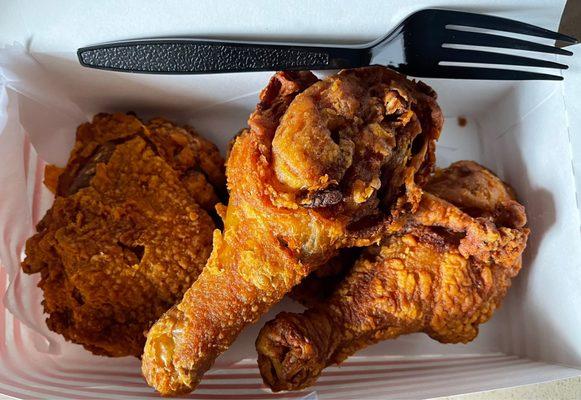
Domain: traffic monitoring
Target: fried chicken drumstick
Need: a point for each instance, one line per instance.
(324, 165)
(128, 232)
(443, 274)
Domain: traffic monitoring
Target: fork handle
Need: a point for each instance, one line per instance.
(193, 56)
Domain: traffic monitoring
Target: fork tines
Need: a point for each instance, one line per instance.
(457, 32)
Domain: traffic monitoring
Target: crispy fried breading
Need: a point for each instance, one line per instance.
(325, 165)
(443, 274)
(196, 160)
(125, 237)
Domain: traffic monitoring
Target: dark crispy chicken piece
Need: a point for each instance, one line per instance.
(324, 165)
(125, 237)
(443, 274)
(323, 281)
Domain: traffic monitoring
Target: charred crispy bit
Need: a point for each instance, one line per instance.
(444, 274)
(318, 156)
(126, 235)
(323, 198)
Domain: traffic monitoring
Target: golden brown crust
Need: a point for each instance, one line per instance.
(197, 161)
(51, 177)
(290, 210)
(443, 274)
(477, 192)
(123, 240)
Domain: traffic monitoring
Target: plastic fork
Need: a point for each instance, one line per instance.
(425, 44)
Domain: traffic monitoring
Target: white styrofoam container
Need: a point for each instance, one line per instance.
(524, 131)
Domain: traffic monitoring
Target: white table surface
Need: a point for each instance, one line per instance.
(564, 389)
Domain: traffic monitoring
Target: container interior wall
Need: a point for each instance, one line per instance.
(514, 129)
(571, 91)
(218, 116)
(528, 144)
(28, 374)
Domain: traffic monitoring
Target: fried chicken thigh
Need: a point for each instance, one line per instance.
(443, 274)
(324, 165)
(128, 233)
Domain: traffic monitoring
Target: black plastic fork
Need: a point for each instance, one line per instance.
(429, 43)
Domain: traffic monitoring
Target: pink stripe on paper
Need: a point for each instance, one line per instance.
(21, 350)
(37, 194)
(45, 389)
(3, 284)
(26, 155)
